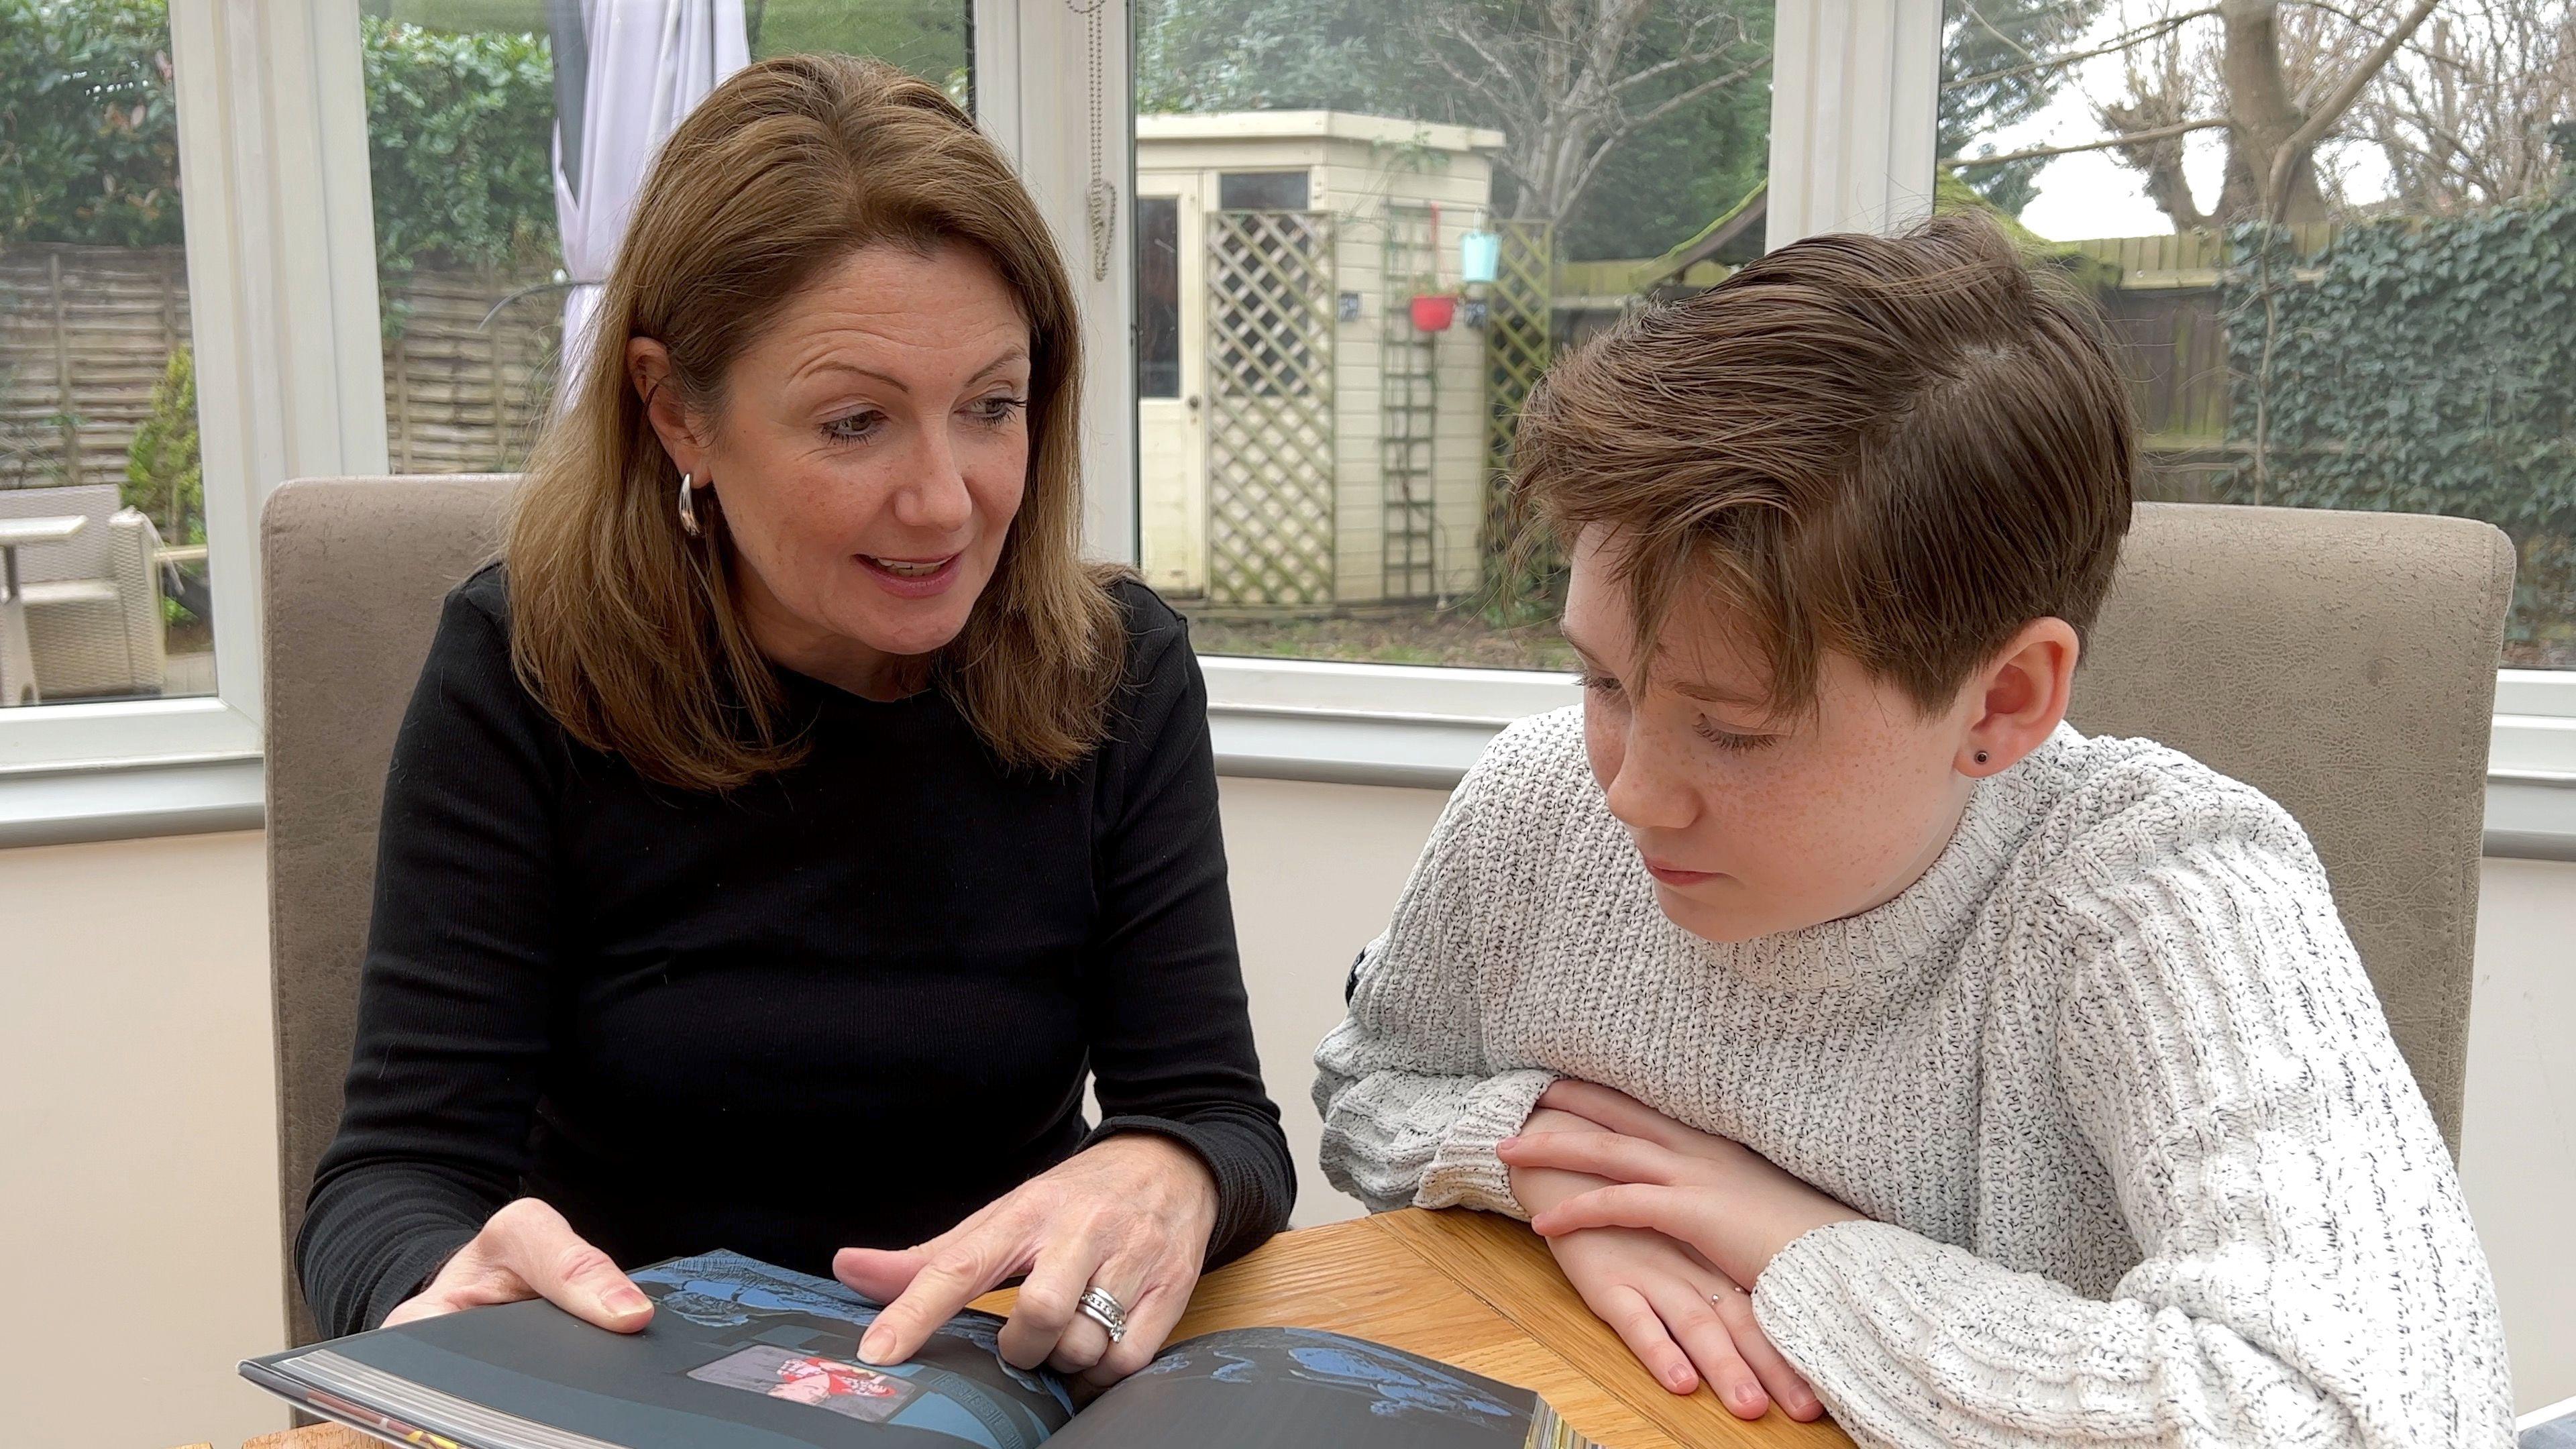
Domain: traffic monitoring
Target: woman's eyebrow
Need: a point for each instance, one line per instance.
(834, 364)
(1016, 354)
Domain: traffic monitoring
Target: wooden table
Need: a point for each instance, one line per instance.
(1472, 1289)
(17, 665)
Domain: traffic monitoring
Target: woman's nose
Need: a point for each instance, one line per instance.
(936, 499)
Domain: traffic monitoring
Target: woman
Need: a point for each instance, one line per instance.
(790, 769)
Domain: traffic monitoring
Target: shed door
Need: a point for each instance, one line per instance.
(1171, 411)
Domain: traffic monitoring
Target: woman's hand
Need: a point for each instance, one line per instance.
(1130, 1216)
(527, 1250)
(1684, 1320)
(1717, 1196)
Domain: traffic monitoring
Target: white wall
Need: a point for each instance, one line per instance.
(138, 1171)
(1316, 870)
(2518, 1135)
(138, 1158)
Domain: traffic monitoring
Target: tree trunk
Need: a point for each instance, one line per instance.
(2263, 117)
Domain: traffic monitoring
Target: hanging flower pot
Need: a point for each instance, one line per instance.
(1433, 312)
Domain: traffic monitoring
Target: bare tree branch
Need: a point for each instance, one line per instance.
(1988, 27)
(2133, 138)
(2151, 31)
(2322, 117)
(1695, 58)
(1609, 142)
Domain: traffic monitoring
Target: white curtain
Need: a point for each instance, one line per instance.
(643, 65)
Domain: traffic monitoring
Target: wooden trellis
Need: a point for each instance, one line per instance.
(1270, 407)
(1518, 346)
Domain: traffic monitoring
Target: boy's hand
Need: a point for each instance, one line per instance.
(1720, 1198)
(1685, 1321)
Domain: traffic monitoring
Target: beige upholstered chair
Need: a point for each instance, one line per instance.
(93, 600)
(354, 569)
(2343, 662)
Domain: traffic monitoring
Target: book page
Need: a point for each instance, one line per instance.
(1301, 1388)
(740, 1355)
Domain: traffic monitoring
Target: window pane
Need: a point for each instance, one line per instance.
(1262, 190)
(473, 272)
(102, 512)
(1158, 296)
(2402, 342)
(1366, 296)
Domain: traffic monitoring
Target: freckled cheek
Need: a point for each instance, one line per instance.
(1601, 744)
(1801, 833)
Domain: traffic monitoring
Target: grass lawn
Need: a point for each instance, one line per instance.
(1422, 635)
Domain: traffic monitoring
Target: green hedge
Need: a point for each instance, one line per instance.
(88, 152)
(459, 144)
(458, 133)
(2423, 366)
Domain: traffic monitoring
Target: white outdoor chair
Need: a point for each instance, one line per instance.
(93, 600)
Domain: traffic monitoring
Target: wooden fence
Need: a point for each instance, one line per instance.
(86, 333)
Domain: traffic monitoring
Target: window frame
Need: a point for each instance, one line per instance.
(280, 245)
(272, 135)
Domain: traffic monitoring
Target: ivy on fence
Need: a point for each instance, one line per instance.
(2422, 366)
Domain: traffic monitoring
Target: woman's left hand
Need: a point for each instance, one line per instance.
(1129, 1216)
(1715, 1194)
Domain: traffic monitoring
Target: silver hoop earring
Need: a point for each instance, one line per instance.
(688, 509)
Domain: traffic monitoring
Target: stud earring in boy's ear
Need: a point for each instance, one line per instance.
(1981, 757)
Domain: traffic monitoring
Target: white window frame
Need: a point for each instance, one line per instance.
(272, 143)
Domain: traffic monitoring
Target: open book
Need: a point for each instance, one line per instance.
(743, 1355)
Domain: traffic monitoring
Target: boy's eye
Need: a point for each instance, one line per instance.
(1730, 740)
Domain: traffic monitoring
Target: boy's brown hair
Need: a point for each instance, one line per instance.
(1902, 448)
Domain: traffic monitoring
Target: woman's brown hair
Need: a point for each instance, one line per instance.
(627, 628)
(1901, 448)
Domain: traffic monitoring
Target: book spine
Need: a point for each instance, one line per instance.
(1548, 1431)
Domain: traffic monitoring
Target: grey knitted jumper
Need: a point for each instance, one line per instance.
(2143, 1163)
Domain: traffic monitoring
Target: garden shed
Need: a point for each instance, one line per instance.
(1309, 437)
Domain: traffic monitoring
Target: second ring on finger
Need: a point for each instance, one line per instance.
(1088, 1338)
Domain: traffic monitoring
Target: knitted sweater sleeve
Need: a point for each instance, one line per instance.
(2309, 1274)
(1412, 1105)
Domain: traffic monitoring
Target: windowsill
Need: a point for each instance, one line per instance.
(175, 795)
(1348, 724)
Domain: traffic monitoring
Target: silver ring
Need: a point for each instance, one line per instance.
(1102, 1309)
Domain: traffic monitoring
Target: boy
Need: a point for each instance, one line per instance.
(1854, 1029)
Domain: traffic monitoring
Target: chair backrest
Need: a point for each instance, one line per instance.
(2345, 665)
(81, 556)
(354, 569)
